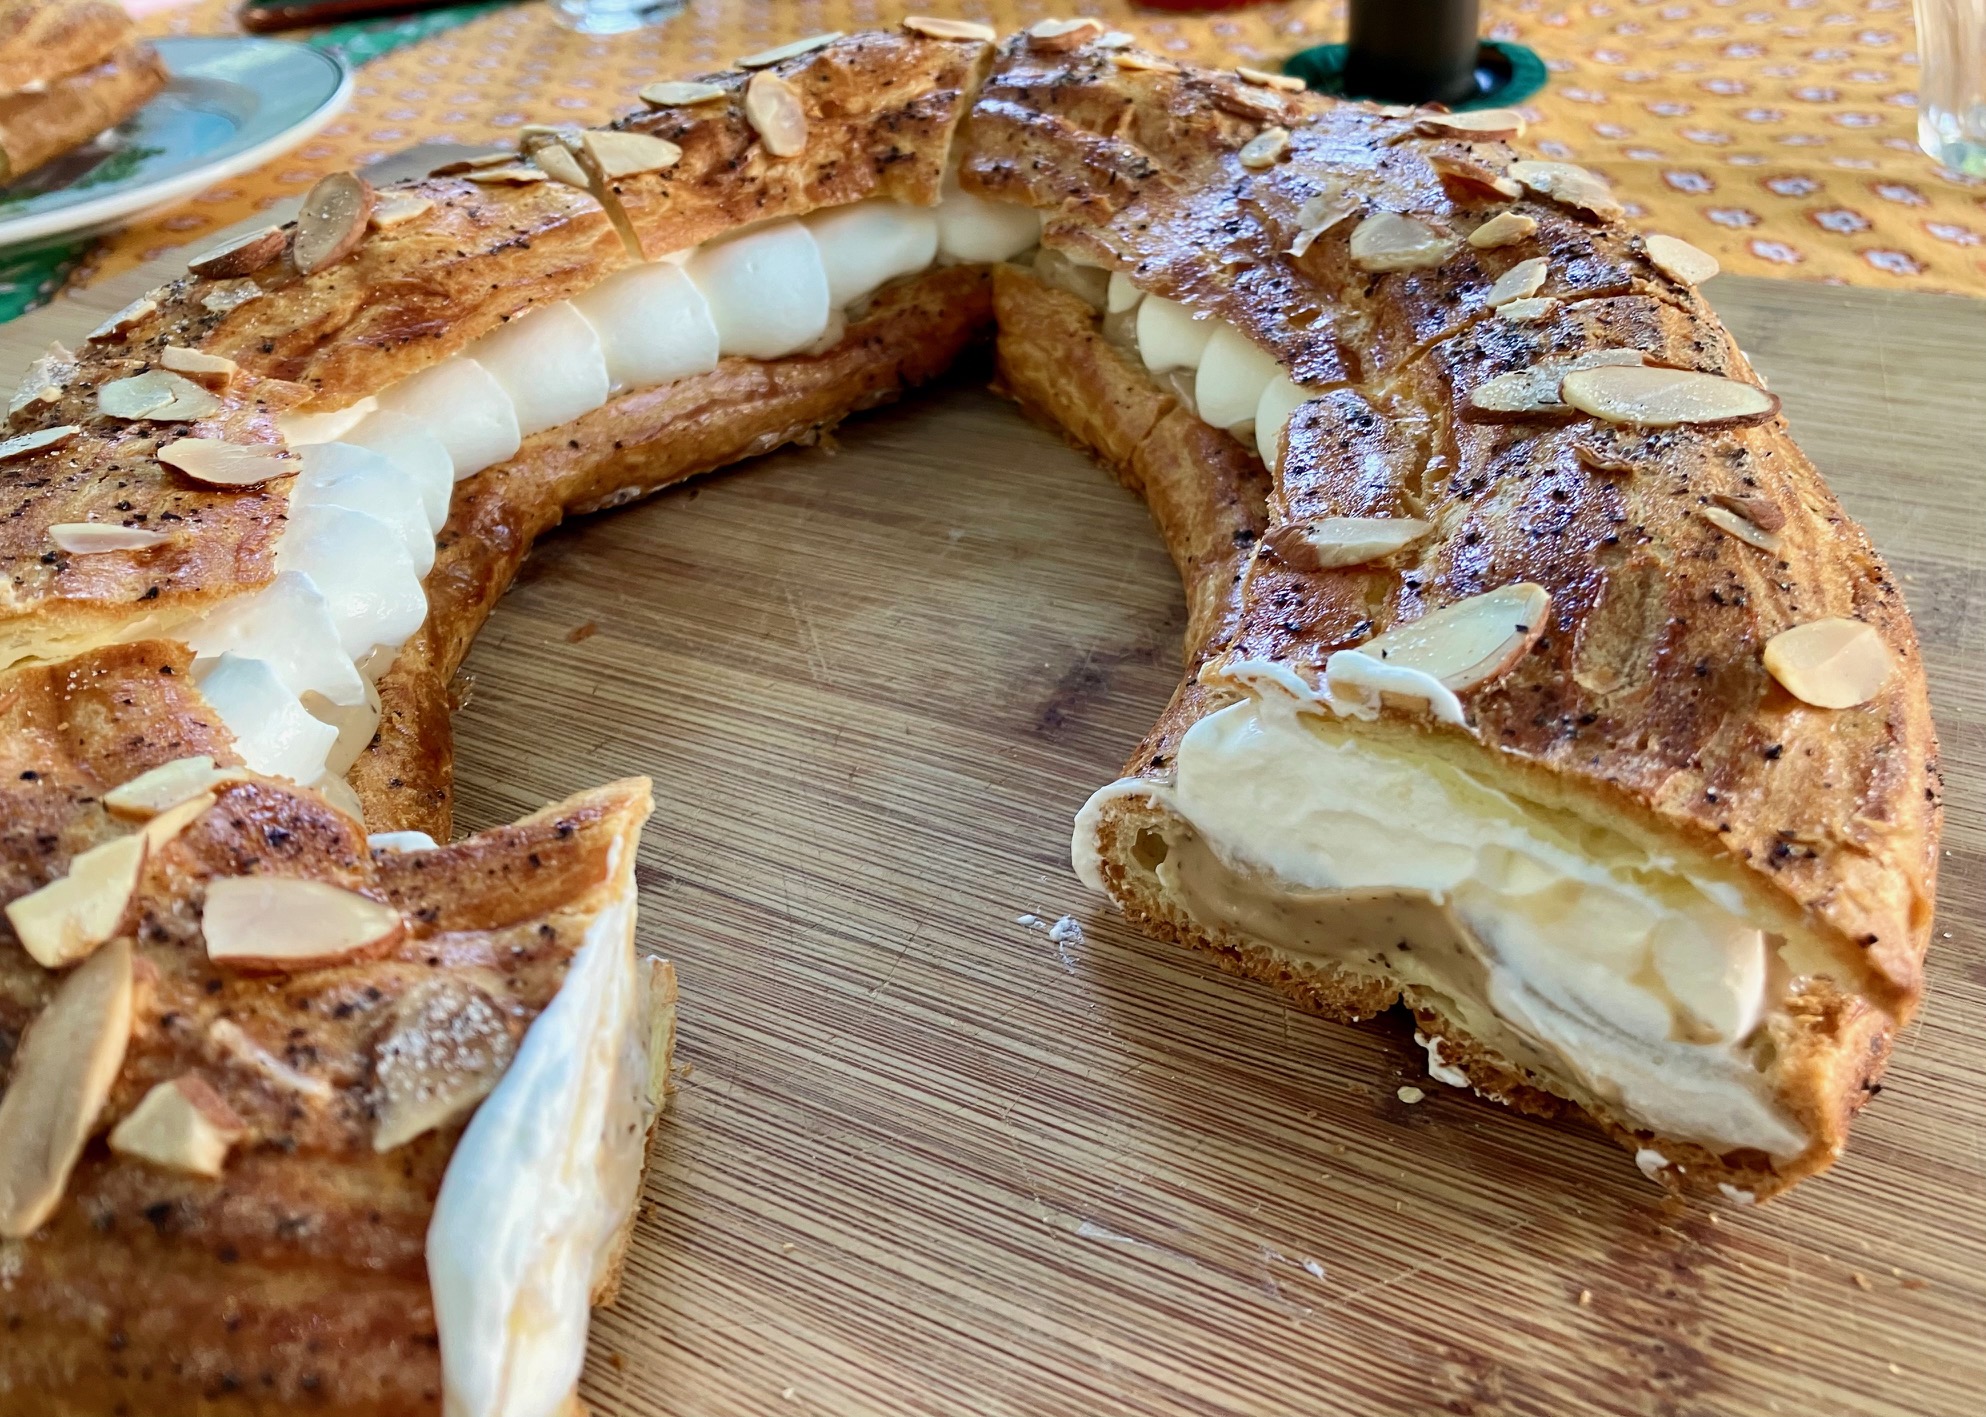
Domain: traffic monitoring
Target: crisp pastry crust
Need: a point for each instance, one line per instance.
(71, 109)
(46, 39)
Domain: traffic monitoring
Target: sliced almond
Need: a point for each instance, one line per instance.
(156, 394)
(45, 379)
(231, 295)
(773, 108)
(1761, 512)
(1525, 393)
(182, 1124)
(1570, 185)
(1503, 229)
(1265, 148)
(286, 923)
(1649, 396)
(222, 464)
(1388, 241)
(237, 1045)
(332, 221)
(446, 1045)
(618, 154)
(1061, 36)
(1482, 125)
(1601, 459)
(1834, 663)
(73, 914)
(391, 209)
(162, 829)
(1330, 542)
(1520, 282)
(1469, 180)
(515, 174)
(793, 50)
(1147, 63)
(557, 163)
(1733, 524)
(1114, 39)
(125, 320)
(1470, 642)
(1680, 261)
(462, 166)
(1527, 312)
(168, 785)
(61, 1076)
(681, 93)
(213, 370)
(243, 256)
(1288, 83)
(92, 538)
(949, 29)
(42, 439)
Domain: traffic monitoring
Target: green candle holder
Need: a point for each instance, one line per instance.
(1505, 73)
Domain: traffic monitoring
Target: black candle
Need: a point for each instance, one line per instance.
(1412, 51)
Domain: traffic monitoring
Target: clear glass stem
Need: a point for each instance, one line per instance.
(1951, 89)
(614, 16)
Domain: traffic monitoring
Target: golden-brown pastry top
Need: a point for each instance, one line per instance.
(41, 124)
(42, 40)
(1646, 694)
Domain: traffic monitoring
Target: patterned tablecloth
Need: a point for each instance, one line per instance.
(1778, 134)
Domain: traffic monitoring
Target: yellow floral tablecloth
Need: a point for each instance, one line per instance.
(1779, 134)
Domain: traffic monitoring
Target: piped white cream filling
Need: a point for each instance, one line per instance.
(534, 1196)
(376, 478)
(1606, 965)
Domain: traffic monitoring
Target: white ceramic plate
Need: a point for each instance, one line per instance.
(231, 104)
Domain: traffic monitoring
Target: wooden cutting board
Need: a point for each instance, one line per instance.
(931, 1156)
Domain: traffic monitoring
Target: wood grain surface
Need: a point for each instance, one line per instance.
(927, 1158)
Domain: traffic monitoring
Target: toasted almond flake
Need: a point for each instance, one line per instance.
(932, 28)
(237, 1046)
(1061, 36)
(243, 256)
(1503, 229)
(617, 154)
(1471, 641)
(182, 1124)
(223, 464)
(1467, 179)
(773, 108)
(1482, 125)
(1520, 282)
(160, 831)
(332, 221)
(1601, 459)
(1762, 512)
(45, 379)
(767, 57)
(212, 370)
(681, 93)
(1653, 397)
(287, 923)
(57, 1085)
(1329, 542)
(1730, 522)
(1144, 62)
(1388, 241)
(1288, 83)
(1568, 184)
(558, 163)
(42, 439)
(1114, 39)
(1265, 148)
(446, 1044)
(1527, 312)
(1319, 213)
(125, 320)
(75, 913)
(1245, 101)
(231, 295)
(90, 538)
(517, 174)
(1524, 393)
(398, 208)
(167, 785)
(1834, 663)
(1680, 261)
(156, 394)
(462, 166)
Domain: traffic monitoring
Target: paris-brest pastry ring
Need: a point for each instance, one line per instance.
(1534, 679)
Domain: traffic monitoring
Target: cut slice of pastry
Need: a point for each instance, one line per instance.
(1556, 698)
(69, 69)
